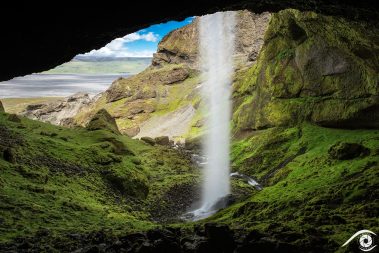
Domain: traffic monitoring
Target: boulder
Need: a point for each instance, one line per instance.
(148, 140)
(347, 151)
(103, 120)
(162, 140)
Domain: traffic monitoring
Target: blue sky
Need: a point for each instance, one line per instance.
(139, 44)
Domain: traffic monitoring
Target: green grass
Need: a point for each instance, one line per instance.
(311, 194)
(75, 180)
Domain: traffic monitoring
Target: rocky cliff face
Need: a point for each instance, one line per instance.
(311, 68)
(169, 89)
(181, 45)
(58, 112)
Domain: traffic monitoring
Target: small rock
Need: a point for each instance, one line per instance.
(136, 160)
(162, 140)
(148, 140)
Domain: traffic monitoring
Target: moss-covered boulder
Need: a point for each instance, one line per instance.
(148, 140)
(347, 151)
(311, 68)
(162, 140)
(103, 120)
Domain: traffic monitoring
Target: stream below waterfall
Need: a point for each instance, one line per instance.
(200, 161)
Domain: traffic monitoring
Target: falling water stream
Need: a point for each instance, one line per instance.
(216, 33)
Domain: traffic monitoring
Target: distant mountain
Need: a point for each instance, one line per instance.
(102, 65)
(102, 59)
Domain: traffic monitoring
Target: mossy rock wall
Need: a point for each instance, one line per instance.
(311, 68)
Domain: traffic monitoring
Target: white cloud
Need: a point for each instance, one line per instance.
(117, 47)
(150, 36)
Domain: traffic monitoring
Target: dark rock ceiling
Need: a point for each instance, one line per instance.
(36, 37)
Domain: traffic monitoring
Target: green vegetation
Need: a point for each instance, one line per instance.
(308, 191)
(123, 65)
(311, 68)
(78, 181)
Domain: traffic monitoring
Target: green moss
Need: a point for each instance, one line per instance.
(307, 63)
(78, 180)
(304, 187)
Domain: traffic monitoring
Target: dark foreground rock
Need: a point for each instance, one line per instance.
(207, 238)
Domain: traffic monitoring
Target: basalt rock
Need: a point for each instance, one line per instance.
(305, 72)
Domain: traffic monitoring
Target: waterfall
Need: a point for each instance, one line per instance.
(216, 38)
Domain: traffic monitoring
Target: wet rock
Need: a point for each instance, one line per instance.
(347, 151)
(224, 202)
(131, 132)
(162, 140)
(148, 140)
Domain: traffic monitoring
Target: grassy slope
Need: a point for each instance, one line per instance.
(310, 195)
(74, 180)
